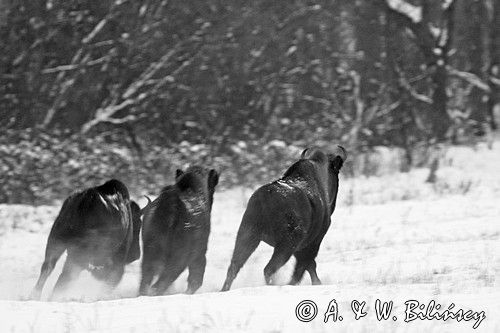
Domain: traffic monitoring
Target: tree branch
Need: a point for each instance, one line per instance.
(70, 67)
(470, 78)
(423, 36)
(77, 61)
(106, 113)
(412, 91)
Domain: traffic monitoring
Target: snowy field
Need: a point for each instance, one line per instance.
(393, 237)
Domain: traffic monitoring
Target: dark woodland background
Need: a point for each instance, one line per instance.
(134, 89)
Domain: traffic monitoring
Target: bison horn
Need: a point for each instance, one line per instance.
(341, 152)
(147, 205)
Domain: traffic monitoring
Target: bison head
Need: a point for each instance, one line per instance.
(327, 166)
(197, 184)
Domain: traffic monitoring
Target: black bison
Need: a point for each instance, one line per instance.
(99, 228)
(176, 229)
(291, 214)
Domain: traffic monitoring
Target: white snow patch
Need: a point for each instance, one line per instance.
(393, 237)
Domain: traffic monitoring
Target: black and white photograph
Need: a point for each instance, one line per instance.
(249, 166)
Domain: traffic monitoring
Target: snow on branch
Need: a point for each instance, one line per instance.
(150, 71)
(70, 67)
(495, 81)
(136, 92)
(79, 60)
(470, 78)
(106, 113)
(405, 15)
(412, 91)
(299, 13)
(403, 7)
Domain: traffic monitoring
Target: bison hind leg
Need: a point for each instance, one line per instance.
(167, 277)
(110, 275)
(55, 248)
(70, 272)
(292, 236)
(306, 261)
(281, 254)
(300, 267)
(247, 240)
(149, 270)
(311, 268)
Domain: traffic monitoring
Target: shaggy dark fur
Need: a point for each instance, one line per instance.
(99, 228)
(176, 230)
(291, 214)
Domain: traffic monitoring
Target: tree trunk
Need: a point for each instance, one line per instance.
(494, 70)
(440, 120)
(477, 12)
(436, 52)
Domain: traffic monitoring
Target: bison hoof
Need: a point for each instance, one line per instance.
(144, 293)
(35, 295)
(153, 292)
(191, 290)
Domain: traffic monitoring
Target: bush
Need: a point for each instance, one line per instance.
(40, 168)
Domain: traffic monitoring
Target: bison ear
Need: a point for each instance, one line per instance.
(213, 178)
(178, 173)
(335, 162)
(313, 153)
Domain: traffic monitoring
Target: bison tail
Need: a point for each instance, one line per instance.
(135, 251)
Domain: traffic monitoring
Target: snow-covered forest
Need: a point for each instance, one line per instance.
(136, 88)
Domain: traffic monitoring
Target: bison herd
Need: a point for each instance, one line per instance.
(100, 227)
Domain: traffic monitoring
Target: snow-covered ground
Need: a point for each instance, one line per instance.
(393, 237)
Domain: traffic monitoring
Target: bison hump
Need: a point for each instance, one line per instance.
(112, 188)
(302, 169)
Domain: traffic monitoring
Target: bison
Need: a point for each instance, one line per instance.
(176, 229)
(99, 228)
(292, 215)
